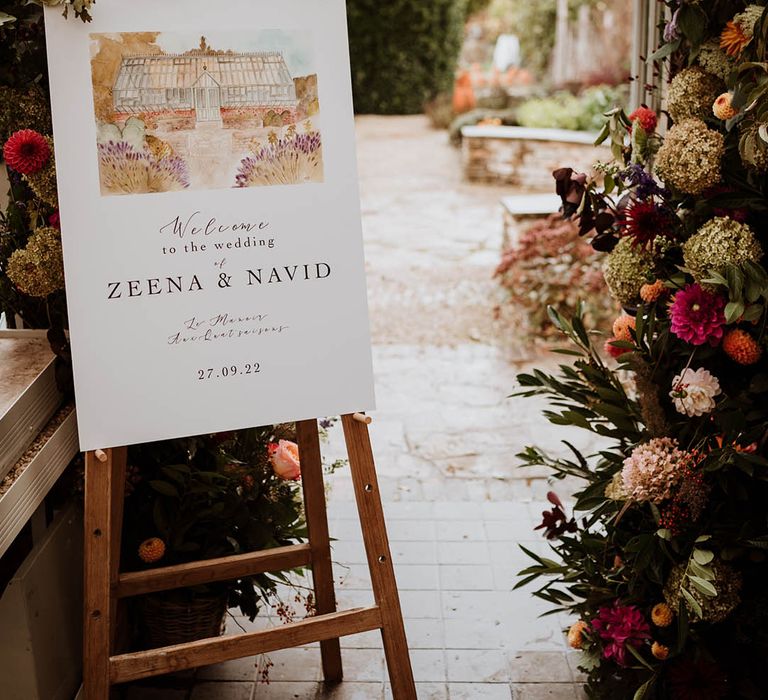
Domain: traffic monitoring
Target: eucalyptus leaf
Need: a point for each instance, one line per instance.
(692, 603)
(703, 556)
(703, 586)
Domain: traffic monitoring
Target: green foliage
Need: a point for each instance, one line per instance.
(22, 44)
(213, 496)
(564, 110)
(403, 52)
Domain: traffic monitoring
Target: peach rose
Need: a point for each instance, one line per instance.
(284, 457)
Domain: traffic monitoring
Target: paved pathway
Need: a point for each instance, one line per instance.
(445, 437)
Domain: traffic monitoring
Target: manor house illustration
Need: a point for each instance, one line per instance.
(205, 82)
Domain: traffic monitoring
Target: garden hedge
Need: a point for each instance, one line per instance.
(404, 52)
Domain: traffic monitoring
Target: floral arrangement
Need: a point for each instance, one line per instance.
(550, 265)
(214, 496)
(664, 563)
(32, 276)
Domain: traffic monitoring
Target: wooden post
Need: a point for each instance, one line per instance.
(103, 667)
(376, 542)
(313, 484)
(104, 490)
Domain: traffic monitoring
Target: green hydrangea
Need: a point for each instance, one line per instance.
(689, 159)
(752, 148)
(747, 19)
(38, 269)
(715, 61)
(627, 269)
(720, 242)
(692, 93)
(727, 583)
(23, 110)
(43, 182)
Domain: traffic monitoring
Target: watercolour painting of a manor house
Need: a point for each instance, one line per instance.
(202, 119)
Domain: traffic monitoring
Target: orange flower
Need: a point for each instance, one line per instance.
(623, 326)
(152, 550)
(284, 457)
(734, 40)
(662, 615)
(723, 107)
(576, 634)
(741, 347)
(652, 292)
(659, 651)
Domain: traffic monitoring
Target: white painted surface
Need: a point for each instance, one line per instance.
(531, 204)
(522, 133)
(133, 382)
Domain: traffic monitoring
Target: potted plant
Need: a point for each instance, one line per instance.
(206, 497)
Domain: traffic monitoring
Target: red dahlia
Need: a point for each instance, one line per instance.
(26, 152)
(644, 221)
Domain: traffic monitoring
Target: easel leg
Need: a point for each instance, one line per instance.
(104, 486)
(379, 556)
(319, 539)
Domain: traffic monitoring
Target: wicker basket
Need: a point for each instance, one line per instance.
(169, 620)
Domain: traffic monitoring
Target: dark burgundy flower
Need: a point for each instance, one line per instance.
(644, 221)
(570, 187)
(26, 152)
(555, 522)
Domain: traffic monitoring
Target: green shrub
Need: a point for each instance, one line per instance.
(566, 111)
(404, 52)
(561, 111)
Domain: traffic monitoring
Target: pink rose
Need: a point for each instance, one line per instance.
(284, 457)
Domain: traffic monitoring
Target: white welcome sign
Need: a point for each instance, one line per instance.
(210, 216)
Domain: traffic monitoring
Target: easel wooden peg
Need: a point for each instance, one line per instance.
(105, 585)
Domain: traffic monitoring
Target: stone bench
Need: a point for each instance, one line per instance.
(524, 157)
(525, 206)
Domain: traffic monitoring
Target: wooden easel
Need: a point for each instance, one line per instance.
(105, 585)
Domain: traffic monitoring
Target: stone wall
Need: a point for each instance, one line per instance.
(523, 162)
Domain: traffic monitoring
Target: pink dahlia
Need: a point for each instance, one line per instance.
(620, 626)
(697, 316)
(646, 118)
(26, 152)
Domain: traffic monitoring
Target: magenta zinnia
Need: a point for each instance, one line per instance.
(697, 316)
(620, 626)
(644, 221)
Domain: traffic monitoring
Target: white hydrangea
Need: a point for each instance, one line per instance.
(694, 393)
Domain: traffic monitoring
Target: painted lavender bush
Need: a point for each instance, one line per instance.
(127, 170)
(292, 160)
